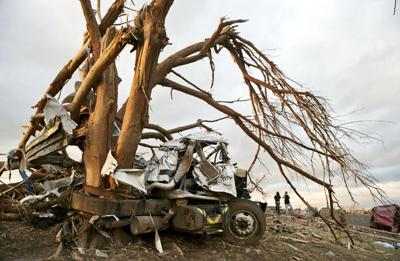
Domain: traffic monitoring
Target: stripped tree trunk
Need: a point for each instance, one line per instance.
(136, 115)
(98, 141)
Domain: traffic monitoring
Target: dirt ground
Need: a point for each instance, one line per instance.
(23, 241)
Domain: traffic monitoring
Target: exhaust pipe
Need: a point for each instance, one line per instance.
(162, 186)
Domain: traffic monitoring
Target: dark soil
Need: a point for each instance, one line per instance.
(23, 241)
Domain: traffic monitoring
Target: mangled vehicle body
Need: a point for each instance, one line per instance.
(190, 184)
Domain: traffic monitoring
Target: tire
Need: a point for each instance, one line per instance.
(244, 223)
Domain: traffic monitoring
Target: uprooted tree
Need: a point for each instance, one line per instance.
(292, 126)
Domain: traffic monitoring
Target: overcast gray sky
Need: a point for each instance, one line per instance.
(345, 51)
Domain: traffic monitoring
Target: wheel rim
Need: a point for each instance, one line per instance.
(243, 224)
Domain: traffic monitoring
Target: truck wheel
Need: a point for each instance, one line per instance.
(244, 222)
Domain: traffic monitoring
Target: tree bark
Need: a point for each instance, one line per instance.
(99, 130)
(136, 114)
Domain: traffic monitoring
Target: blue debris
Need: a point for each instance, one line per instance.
(14, 155)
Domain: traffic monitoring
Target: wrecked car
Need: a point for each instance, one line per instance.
(190, 185)
(386, 217)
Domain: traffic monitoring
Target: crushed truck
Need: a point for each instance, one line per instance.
(189, 184)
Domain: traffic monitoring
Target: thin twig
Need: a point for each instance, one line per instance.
(15, 187)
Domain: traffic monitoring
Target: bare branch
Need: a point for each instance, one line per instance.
(189, 82)
(66, 72)
(197, 51)
(253, 162)
(164, 134)
(160, 129)
(153, 135)
(236, 117)
(123, 37)
(234, 101)
(312, 209)
(280, 113)
(92, 27)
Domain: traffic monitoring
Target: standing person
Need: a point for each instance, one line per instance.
(287, 203)
(277, 202)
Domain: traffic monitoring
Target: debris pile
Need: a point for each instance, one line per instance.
(189, 184)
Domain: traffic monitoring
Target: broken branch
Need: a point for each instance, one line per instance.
(66, 72)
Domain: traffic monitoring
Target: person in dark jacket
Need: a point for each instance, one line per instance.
(287, 203)
(277, 202)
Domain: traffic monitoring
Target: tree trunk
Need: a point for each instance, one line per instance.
(98, 139)
(136, 115)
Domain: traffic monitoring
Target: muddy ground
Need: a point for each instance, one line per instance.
(23, 241)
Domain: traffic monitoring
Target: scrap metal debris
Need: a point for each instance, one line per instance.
(51, 187)
(53, 109)
(165, 167)
(186, 184)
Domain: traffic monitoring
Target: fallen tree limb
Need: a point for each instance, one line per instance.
(236, 117)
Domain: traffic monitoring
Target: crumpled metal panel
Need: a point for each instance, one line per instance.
(165, 165)
(178, 144)
(54, 136)
(207, 136)
(165, 161)
(224, 182)
(51, 187)
(184, 164)
(183, 194)
(54, 109)
(48, 141)
(133, 177)
(109, 165)
(162, 166)
(212, 177)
